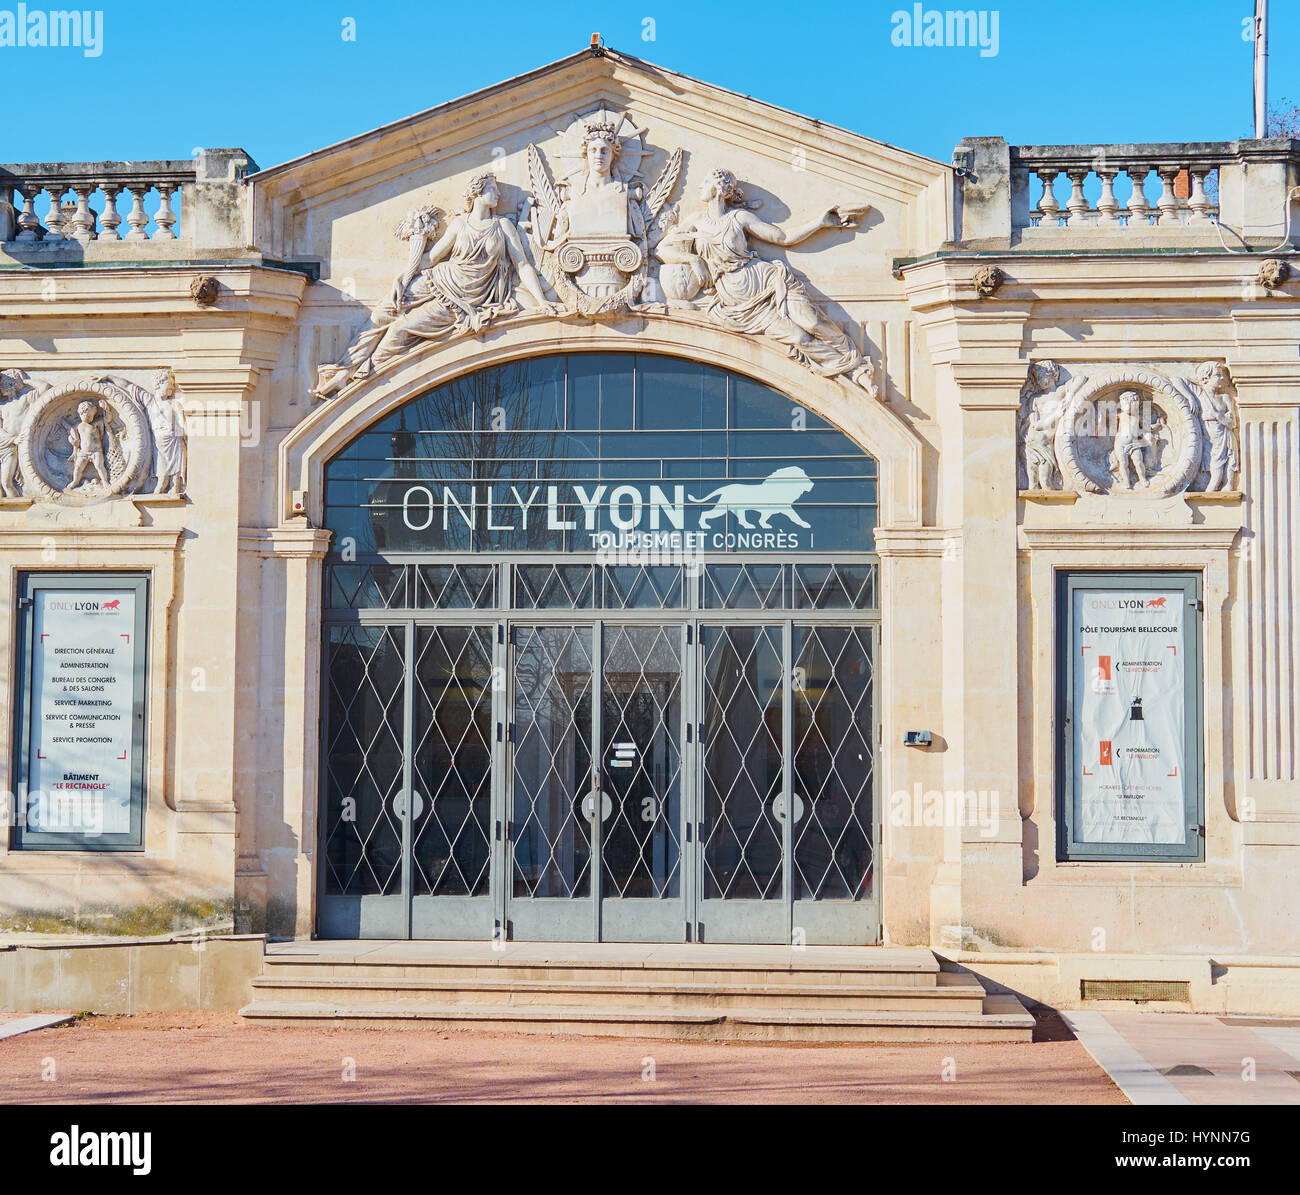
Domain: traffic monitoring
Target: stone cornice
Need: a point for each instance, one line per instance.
(1032, 279)
(293, 539)
(1099, 537)
(100, 292)
(96, 539)
(915, 541)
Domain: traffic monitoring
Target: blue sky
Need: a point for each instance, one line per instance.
(281, 79)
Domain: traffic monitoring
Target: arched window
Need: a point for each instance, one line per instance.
(590, 452)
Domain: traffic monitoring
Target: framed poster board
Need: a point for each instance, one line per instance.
(80, 715)
(1129, 701)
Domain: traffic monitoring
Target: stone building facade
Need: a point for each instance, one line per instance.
(370, 698)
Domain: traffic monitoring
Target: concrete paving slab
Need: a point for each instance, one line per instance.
(1244, 1066)
(1192, 1058)
(12, 1026)
(1129, 1070)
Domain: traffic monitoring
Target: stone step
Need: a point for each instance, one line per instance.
(737, 1024)
(964, 996)
(909, 975)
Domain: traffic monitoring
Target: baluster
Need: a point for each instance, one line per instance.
(1199, 201)
(1139, 211)
(111, 217)
(1048, 208)
(83, 219)
(1077, 204)
(1168, 201)
(1107, 205)
(29, 222)
(137, 217)
(164, 217)
(54, 217)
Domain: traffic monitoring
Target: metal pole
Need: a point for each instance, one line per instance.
(1261, 68)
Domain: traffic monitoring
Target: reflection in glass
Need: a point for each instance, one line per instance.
(641, 761)
(452, 758)
(742, 758)
(833, 762)
(551, 761)
(365, 674)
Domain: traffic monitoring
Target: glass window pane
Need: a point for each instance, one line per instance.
(679, 394)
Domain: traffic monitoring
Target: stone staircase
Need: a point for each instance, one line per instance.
(700, 992)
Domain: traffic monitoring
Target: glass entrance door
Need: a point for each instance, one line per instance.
(409, 814)
(650, 781)
(596, 778)
(787, 818)
(641, 760)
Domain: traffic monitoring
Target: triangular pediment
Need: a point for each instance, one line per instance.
(790, 162)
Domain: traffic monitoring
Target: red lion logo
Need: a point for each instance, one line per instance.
(113, 605)
(1160, 601)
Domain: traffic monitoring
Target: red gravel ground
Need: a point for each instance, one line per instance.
(217, 1058)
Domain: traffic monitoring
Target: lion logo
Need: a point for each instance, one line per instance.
(775, 495)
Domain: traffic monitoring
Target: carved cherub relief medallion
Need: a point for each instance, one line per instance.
(1127, 429)
(91, 439)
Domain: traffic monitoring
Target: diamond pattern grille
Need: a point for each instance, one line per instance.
(552, 761)
(745, 586)
(555, 587)
(641, 587)
(835, 586)
(452, 761)
(363, 769)
(367, 586)
(831, 688)
(833, 762)
(641, 726)
(742, 762)
(455, 586)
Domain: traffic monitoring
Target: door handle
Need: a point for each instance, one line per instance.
(778, 807)
(589, 806)
(399, 805)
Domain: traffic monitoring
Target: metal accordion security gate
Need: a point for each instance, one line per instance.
(600, 643)
(630, 774)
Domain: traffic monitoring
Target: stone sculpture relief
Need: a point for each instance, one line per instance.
(1124, 429)
(18, 393)
(750, 294)
(1273, 272)
(988, 280)
(1214, 403)
(166, 416)
(595, 230)
(600, 243)
(91, 439)
(452, 284)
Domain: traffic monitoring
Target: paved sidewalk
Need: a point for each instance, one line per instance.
(1194, 1058)
(216, 1058)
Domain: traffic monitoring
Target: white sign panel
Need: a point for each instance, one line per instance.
(1129, 715)
(82, 704)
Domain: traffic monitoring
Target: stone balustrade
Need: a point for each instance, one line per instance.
(1165, 193)
(1185, 177)
(198, 202)
(44, 213)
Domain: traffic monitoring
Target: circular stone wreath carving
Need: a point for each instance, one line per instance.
(46, 457)
(1087, 469)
